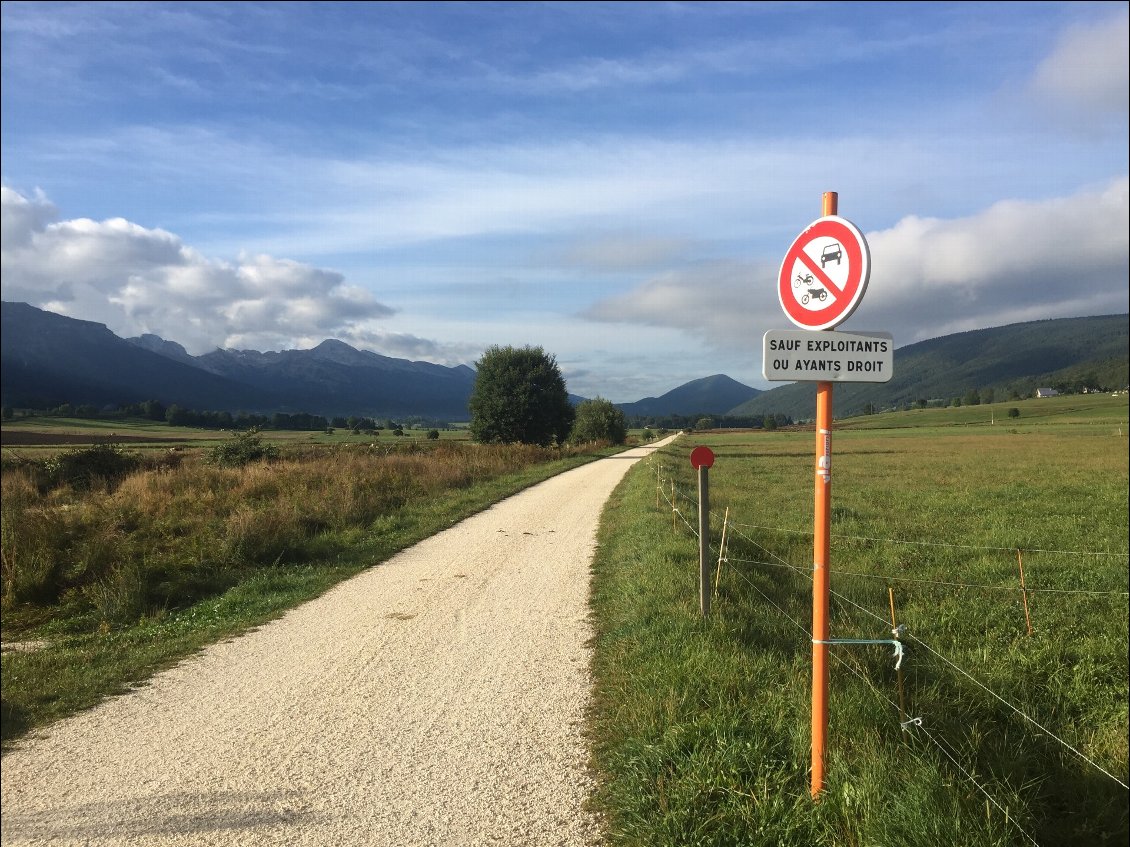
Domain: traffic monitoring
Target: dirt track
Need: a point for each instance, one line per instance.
(437, 699)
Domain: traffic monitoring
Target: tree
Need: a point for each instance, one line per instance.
(519, 396)
(599, 420)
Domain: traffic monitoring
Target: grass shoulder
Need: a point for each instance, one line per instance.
(700, 729)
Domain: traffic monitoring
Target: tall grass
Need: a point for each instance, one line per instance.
(701, 728)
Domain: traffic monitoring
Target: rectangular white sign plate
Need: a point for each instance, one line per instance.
(801, 355)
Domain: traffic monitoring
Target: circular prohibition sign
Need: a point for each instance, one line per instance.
(824, 274)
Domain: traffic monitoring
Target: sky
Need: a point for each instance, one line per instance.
(616, 183)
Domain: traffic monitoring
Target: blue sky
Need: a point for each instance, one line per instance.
(614, 182)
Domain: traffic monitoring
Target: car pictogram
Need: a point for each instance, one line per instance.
(830, 252)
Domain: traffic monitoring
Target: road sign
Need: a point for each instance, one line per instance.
(797, 355)
(702, 457)
(824, 274)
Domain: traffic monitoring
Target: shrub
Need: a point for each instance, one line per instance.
(1014, 412)
(90, 467)
(599, 420)
(244, 448)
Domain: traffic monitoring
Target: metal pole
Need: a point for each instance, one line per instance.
(703, 540)
(821, 554)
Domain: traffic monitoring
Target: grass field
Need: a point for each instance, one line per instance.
(701, 729)
(42, 435)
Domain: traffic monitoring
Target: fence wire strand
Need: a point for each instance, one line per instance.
(737, 528)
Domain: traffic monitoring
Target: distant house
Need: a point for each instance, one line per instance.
(1046, 392)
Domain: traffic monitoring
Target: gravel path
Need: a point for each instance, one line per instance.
(438, 699)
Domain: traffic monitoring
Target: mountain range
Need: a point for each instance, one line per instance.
(48, 359)
(1010, 361)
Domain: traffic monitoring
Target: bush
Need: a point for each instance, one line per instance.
(1014, 412)
(599, 420)
(90, 467)
(244, 448)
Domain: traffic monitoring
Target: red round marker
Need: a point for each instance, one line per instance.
(702, 457)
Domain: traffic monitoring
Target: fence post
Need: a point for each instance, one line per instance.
(1024, 593)
(898, 670)
(721, 552)
(703, 540)
(702, 458)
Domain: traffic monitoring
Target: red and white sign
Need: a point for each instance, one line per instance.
(824, 274)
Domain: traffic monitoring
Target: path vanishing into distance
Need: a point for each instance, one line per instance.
(436, 699)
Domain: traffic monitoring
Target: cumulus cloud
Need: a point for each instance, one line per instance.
(1016, 260)
(138, 280)
(1013, 261)
(1087, 75)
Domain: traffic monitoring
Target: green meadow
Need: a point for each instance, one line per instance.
(1005, 725)
(1007, 721)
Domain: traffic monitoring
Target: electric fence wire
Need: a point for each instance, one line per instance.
(736, 528)
(870, 684)
(917, 724)
(939, 543)
(918, 641)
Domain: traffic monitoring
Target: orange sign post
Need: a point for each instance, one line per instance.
(821, 282)
(821, 561)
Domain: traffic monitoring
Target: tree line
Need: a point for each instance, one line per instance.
(176, 415)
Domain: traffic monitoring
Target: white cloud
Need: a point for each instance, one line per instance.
(1014, 261)
(1087, 76)
(138, 280)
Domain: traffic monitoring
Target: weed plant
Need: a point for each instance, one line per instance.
(122, 574)
(701, 728)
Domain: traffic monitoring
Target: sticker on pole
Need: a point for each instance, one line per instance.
(824, 274)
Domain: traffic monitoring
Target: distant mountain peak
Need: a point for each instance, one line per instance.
(709, 395)
(168, 349)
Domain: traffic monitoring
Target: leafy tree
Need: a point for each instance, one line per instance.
(599, 420)
(519, 396)
(1014, 412)
(433, 434)
(153, 410)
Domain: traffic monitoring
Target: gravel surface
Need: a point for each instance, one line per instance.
(437, 699)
